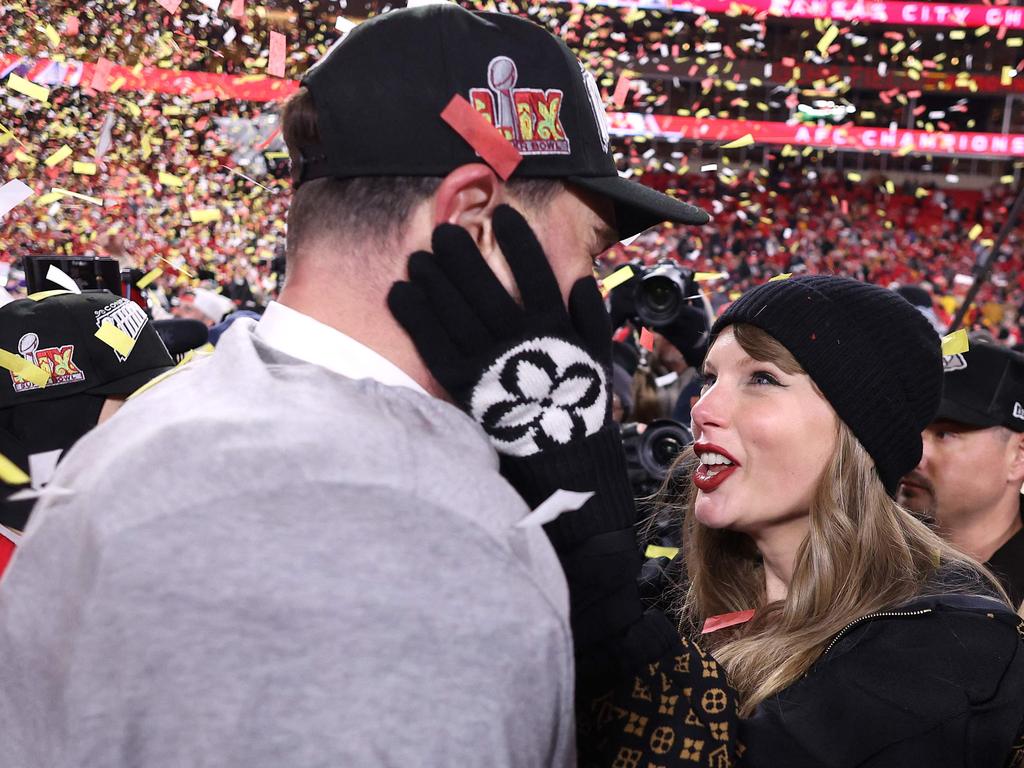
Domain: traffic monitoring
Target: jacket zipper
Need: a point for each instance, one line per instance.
(879, 615)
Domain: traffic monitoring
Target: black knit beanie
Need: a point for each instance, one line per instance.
(874, 357)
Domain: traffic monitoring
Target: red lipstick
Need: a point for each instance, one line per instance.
(704, 477)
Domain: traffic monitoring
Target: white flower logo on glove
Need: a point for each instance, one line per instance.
(540, 394)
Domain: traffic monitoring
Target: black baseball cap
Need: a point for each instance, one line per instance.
(380, 91)
(57, 334)
(984, 387)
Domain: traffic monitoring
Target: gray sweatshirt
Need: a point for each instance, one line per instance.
(264, 563)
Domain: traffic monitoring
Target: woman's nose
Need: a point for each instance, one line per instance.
(711, 410)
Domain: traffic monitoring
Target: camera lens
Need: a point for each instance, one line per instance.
(666, 449)
(660, 295)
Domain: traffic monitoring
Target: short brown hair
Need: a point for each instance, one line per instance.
(367, 207)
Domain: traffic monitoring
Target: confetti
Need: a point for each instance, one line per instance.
(148, 278)
(743, 141)
(275, 65)
(169, 179)
(57, 275)
(647, 339)
(13, 193)
(654, 551)
(827, 39)
(204, 215)
(40, 295)
(622, 88)
(709, 167)
(101, 75)
(171, 6)
(33, 91)
(723, 620)
(21, 367)
(554, 505)
(617, 278)
(59, 156)
(237, 9)
(956, 343)
(11, 473)
(488, 141)
(115, 338)
(976, 230)
(701, 277)
(783, 276)
(51, 34)
(78, 196)
(86, 169)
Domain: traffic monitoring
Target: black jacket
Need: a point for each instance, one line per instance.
(937, 682)
(1008, 564)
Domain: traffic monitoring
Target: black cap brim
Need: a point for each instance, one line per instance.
(952, 411)
(638, 207)
(129, 384)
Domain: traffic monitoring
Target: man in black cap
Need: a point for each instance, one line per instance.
(82, 380)
(341, 576)
(971, 472)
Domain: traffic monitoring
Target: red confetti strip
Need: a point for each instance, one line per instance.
(723, 620)
(237, 9)
(6, 551)
(71, 26)
(101, 75)
(621, 91)
(488, 141)
(647, 339)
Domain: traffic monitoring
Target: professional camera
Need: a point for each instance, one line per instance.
(661, 293)
(650, 454)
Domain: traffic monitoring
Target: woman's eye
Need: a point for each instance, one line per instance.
(763, 377)
(709, 379)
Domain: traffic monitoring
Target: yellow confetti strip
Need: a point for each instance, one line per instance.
(40, 295)
(701, 277)
(955, 343)
(852, 176)
(1007, 179)
(49, 197)
(69, 193)
(59, 156)
(169, 179)
(51, 33)
(148, 278)
(204, 215)
(86, 169)
(743, 141)
(669, 552)
(30, 89)
(1007, 75)
(1014, 42)
(11, 473)
(617, 278)
(975, 231)
(19, 366)
(115, 338)
(783, 276)
(827, 39)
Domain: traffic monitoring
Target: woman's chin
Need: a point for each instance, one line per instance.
(711, 512)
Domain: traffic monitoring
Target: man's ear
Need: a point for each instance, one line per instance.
(467, 198)
(1016, 458)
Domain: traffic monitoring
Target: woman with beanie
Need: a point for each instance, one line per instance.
(850, 634)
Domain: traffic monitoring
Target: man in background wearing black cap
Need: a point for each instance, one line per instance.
(86, 379)
(341, 575)
(970, 476)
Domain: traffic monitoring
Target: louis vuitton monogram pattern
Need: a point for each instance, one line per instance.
(677, 712)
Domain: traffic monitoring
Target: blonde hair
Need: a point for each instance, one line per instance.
(863, 553)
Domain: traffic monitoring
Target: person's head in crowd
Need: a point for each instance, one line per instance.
(920, 297)
(204, 305)
(86, 380)
(969, 479)
(377, 169)
(815, 394)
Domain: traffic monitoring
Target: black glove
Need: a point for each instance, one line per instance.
(535, 376)
(689, 332)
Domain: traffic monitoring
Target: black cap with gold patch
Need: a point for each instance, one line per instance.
(50, 349)
(984, 386)
(379, 94)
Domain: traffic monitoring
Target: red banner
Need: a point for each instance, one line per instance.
(859, 138)
(929, 13)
